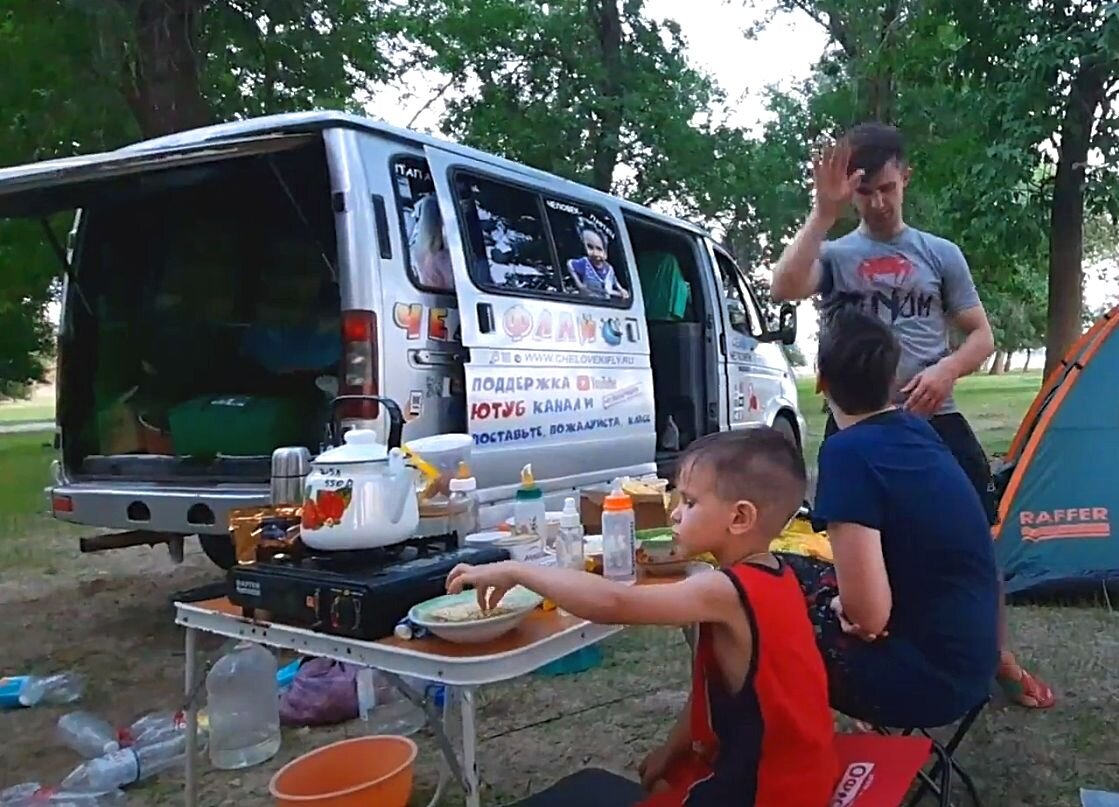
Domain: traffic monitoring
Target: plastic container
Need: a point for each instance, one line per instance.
(569, 540)
(51, 689)
(360, 772)
(125, 767)
(619, 537)
(244, 708)
(87, 734)
(463, 504)
(529, 514)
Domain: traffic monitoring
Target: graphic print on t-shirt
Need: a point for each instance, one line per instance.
(889, 291)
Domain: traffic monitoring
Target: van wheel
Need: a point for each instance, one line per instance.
(783, 424)
(219, 549)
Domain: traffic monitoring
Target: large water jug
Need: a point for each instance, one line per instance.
(243, 707)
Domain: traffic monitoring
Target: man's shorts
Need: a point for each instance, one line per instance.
(956, 433)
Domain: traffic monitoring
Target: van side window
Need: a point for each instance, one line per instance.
(507, 247)
(591, 257)
(429, 260)
(743, 313)
(519, 242)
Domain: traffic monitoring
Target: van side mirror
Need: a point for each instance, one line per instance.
(786, 331)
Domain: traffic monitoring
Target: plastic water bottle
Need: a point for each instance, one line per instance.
(244, 708)
(569, 540)
(125, 767)
(87, 734)
(57, 690)
(619, 537)
(31, 794)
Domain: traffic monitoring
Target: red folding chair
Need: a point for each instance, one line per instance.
(879, 770)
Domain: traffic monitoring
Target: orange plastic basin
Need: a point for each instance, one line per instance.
(352, 773)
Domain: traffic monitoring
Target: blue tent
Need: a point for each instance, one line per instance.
(1060, 486)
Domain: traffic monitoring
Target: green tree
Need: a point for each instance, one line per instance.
(795, 356)
(893, 60)
(592, 90)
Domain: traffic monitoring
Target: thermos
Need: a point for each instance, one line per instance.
(290, 466)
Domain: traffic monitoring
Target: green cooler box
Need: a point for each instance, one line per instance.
(238, 425)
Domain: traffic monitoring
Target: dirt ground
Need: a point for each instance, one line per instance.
(109, 616)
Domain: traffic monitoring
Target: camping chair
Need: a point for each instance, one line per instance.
(945, 753)
(878, 771)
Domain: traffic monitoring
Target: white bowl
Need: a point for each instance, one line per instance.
(485, 629)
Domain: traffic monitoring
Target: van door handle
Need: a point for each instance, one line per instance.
(485, 317)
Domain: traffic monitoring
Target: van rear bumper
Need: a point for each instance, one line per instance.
(179, 510)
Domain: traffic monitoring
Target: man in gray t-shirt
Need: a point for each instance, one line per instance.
(917, 283)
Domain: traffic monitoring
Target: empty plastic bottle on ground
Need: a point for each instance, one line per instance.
(87, 734)
(244, 708)
(32, 794)
(125, 767)
(51, 689)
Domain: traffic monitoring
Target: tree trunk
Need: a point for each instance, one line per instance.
(1066, 221)
(161, 82)
(1029, 355)
(998, 363)
(607, 131)
(1009, 359)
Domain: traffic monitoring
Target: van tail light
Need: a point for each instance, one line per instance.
(359, 364)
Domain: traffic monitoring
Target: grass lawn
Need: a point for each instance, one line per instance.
(38, 407)
(534, 729)
(25, 469)
(26, 412)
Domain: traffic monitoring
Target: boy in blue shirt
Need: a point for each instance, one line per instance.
(907, 618)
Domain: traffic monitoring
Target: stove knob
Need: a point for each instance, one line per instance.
(347, 613)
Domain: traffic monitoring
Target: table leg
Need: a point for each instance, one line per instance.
(447, 764)
(469, 748)
(191, 768)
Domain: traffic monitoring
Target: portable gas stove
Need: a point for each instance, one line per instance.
(361, 594)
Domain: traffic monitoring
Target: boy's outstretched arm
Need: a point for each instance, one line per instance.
(702, 598)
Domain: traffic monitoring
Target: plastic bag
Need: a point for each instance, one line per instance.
(323, 693)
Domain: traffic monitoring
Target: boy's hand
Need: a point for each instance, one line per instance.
(850, 627)
(492, 581)
(653, 768)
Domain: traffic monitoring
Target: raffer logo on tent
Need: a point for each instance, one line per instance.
(855, 780)
(1065, 522)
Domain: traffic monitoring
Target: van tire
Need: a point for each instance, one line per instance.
(220, 550)
(784, 424)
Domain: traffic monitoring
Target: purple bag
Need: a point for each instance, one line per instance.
(323, 693)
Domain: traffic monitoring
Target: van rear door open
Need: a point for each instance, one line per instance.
(554, 322)
(41, 189)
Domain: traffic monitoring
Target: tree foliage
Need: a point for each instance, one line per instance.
(595, 91)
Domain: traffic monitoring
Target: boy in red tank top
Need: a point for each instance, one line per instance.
(757, 730)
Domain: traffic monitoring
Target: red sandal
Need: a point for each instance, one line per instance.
(1020, 687)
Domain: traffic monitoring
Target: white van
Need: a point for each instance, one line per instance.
(222, 284)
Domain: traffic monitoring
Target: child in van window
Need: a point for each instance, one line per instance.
(430, 256)
(757, 730)
(593, 275)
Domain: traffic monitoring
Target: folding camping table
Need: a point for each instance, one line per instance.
(543, 637)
